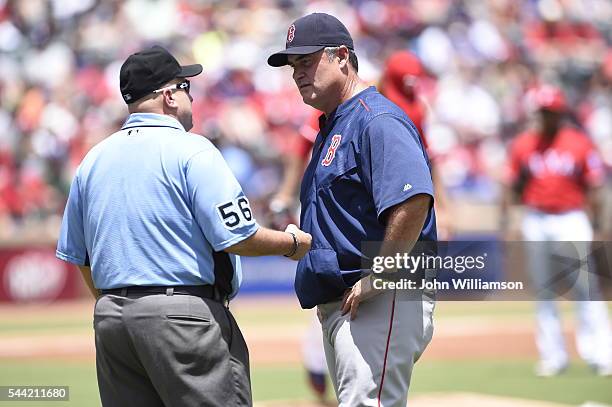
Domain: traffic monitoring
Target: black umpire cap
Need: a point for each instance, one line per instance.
(310, 34)
(147, 70)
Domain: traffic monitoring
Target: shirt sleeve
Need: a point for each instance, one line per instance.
(394, 163)
(217, 201)
(71, 243)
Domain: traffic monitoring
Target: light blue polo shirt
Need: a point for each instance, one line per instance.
(155, 205)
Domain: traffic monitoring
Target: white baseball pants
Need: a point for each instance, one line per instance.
(593, 335)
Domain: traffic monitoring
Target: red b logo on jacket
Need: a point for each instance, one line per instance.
(331, 151)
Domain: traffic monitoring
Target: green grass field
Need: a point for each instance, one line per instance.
(513, 378)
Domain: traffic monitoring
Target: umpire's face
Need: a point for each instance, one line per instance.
(319, 78)
(184, 111)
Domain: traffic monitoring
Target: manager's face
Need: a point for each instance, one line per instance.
(316, 76)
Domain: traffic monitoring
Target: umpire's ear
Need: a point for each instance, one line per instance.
(169, 99)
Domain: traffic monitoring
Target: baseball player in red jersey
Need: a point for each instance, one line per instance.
(557, 171)
(399, 84)
(281, 212)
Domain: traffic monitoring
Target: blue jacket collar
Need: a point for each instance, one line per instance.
(151, 120)
(348, 105)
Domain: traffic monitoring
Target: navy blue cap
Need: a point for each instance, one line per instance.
(310, 34)
(147, 70)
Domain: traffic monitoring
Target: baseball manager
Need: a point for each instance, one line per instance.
(368, 180)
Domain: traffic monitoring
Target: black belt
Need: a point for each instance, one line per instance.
(205, 291)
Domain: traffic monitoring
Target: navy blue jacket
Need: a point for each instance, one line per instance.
(367, 158)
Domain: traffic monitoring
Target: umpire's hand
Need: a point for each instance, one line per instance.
(304, 241)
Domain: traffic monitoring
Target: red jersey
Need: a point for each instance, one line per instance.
(555, 173)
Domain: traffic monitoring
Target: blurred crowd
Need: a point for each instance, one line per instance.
(60, 59)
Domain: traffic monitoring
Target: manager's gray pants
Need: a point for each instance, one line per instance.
(173, 351)
(371, 358)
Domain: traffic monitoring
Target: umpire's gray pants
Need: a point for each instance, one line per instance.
(173, 351)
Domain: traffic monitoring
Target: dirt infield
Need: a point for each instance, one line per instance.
(499, 342)
(269, 343)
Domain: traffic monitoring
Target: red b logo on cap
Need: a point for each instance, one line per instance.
(291, 33)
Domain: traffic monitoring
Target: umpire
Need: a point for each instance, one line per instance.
(154, 220)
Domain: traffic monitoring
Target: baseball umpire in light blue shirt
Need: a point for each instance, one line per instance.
(155, 220)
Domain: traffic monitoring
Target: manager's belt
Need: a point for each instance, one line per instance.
(205, 291)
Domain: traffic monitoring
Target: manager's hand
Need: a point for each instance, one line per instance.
(361, 291)
(304, 241)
